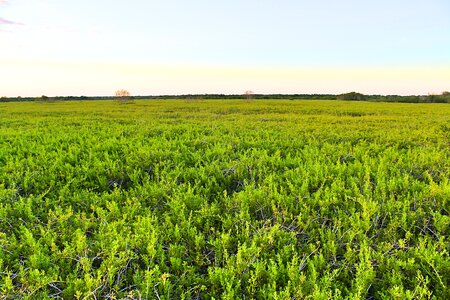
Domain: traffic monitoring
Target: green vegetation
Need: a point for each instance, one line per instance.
(352, 96)
(224, 199)
(444, 97)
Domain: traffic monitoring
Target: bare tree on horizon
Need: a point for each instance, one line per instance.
(123, 96)
(248, 95)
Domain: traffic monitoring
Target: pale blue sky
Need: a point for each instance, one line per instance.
(169, 47)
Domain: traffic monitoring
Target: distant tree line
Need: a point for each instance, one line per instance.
(352, 96)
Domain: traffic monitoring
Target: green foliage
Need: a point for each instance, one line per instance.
(224, 200)
(352, 96)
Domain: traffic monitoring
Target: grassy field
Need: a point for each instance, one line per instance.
(224, 199)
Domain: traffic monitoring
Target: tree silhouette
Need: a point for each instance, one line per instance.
(123, 96)
(248, 95)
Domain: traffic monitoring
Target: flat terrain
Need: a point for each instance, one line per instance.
(225, 199)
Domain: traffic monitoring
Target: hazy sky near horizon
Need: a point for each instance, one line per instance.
(173, 47)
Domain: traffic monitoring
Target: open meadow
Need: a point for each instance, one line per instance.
(233, 199)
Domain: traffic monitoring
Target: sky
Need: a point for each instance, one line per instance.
(62, 48)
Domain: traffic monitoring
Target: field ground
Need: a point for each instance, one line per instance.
(224, 199)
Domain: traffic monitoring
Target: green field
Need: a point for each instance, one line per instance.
(224, 199)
